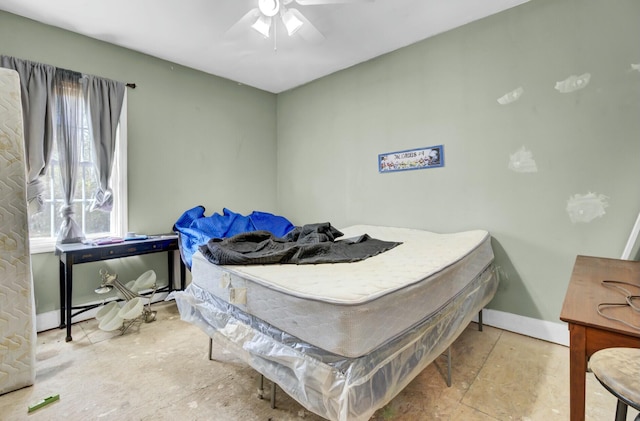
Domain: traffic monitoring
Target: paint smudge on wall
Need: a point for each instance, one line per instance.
(586, 208)
(522, 161)
(512, 96)
(573, 83)
(635, 67)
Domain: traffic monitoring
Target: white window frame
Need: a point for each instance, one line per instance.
(119, 214)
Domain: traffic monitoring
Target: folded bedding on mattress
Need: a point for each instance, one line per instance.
(309, 244)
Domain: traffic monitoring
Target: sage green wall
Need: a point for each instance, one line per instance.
(190, 132)
(193, 139)
(444, 91)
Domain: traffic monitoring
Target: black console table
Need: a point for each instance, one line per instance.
(76, 253)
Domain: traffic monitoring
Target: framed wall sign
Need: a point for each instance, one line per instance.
(412, 159)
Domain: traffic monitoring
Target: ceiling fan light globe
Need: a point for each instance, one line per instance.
(291, 22)
(263, 26)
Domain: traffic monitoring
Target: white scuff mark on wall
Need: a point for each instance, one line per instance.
(522, 161)
(573, 83)
(635, 67)
(512, 96)
(586, 208)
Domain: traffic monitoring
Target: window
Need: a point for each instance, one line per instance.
(44, 226)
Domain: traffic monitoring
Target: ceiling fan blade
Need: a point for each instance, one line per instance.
(307, 31)
(319, 2)
(243, 25)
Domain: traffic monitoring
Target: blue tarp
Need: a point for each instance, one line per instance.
(196, 229)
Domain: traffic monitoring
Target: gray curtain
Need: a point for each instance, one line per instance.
(71, 114)
(49, 93)
(104, 102)
(36, 86)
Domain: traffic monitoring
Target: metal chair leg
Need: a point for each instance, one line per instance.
(621, 411)
(480, 320)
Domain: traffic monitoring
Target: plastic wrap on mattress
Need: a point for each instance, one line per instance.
(332, 386)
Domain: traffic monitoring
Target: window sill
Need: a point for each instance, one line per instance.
(48, 245)
(42, 245)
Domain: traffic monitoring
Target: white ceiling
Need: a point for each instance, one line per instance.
(195, 33)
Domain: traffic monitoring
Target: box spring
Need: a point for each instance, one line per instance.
(335, 387)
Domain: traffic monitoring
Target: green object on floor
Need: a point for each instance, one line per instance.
(44, 402)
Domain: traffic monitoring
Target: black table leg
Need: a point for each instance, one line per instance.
(170, 257)
(183, 274)
(68, 281)
(61, 278)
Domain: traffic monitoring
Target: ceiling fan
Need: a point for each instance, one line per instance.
(262, 18)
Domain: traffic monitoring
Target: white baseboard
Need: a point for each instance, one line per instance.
(51, 319)
(557, 333)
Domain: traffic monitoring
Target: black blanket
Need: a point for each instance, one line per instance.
(309, 244)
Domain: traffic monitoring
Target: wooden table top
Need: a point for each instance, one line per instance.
(586, 291)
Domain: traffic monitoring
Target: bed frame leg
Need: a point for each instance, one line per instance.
(480, 320)
(261, 387)
(449, 367)
(261, 383)
(261, 391)
(273, 395)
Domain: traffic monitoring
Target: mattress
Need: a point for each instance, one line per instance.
(335, 387)
(17, 311)
(350, 309)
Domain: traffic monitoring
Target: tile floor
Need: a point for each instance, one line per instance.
(160, 371)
